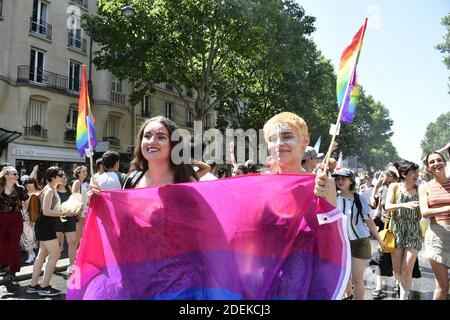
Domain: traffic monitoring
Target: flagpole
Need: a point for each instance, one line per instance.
(91, 161)
(341, 109)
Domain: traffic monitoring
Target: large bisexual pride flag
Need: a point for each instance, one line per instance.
(247, 237)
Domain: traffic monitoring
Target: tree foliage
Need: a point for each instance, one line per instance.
(247, 59)
(444, 47)
(437, 134)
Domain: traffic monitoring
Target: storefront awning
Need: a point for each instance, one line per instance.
(7, 136)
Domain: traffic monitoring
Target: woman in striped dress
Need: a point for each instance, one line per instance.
(403, 199)
(435, 204)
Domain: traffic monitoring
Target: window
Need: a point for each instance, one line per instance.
(1, 7)
(189, 118)
(146, 106)
(112, 129)
(71, 124)
(39, 19)
(117, 85)
(76, 34)
(72, 117)
(36, 119)
(37, 62)
(169, 86)
(206, 120)
(81, 3)
(169, 106)
(74, 76)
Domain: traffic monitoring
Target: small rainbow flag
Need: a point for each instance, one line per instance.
(317, 145)
(85, 121)
(346, 76)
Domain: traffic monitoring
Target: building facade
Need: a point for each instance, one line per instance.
(42, 50)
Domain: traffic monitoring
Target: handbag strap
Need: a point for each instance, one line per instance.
(391, 218)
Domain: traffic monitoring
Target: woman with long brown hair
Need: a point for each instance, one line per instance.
(403, 198)
(435, 205)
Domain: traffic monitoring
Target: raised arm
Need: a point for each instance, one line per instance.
(76, 186)
(203, 168)
(232, 157)
(444, 148)
(33, 173)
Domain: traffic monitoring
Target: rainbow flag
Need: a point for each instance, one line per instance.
(85, 121)
(247, 237)
(346, 76)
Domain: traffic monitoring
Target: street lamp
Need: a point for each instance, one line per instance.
(128, 11)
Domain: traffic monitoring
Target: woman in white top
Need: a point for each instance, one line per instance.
(80, 174)
(357, 210)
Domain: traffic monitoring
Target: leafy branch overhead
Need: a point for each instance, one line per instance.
(245, 59)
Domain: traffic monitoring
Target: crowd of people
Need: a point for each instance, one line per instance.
(398, 196)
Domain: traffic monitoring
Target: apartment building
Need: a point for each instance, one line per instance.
(42, 49)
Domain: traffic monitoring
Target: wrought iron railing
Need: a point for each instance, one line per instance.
(81, 3)
(48, 79)
(70, 135)
(77, 42)
(35, 131)
(41, 27)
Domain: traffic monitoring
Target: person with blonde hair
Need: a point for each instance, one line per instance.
(80, 174)
(287, 137)
(11, 224)
(435, 204)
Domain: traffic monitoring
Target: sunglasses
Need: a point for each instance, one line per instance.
(14, 174)
(61, 175)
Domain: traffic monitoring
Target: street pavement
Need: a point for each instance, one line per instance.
(422, 288)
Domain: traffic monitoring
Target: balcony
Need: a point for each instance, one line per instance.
(113, 141)
(35, 131)
(76, 42)
(70, 135)
(43, 78)
(81, 3)
(117, 98)
(41, 28)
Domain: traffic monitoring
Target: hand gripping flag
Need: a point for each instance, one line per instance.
(248, 237)
(346, 85)
(85, 139)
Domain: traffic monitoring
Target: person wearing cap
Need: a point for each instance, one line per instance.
(310, 159)
(357, 211)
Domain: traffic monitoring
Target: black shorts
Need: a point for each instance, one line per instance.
(67, 226)
(45, 228)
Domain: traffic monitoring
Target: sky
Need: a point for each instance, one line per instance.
(399, 65)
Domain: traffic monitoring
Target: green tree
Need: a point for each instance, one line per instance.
(211, 46)
(444, 47)
(437, 134)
